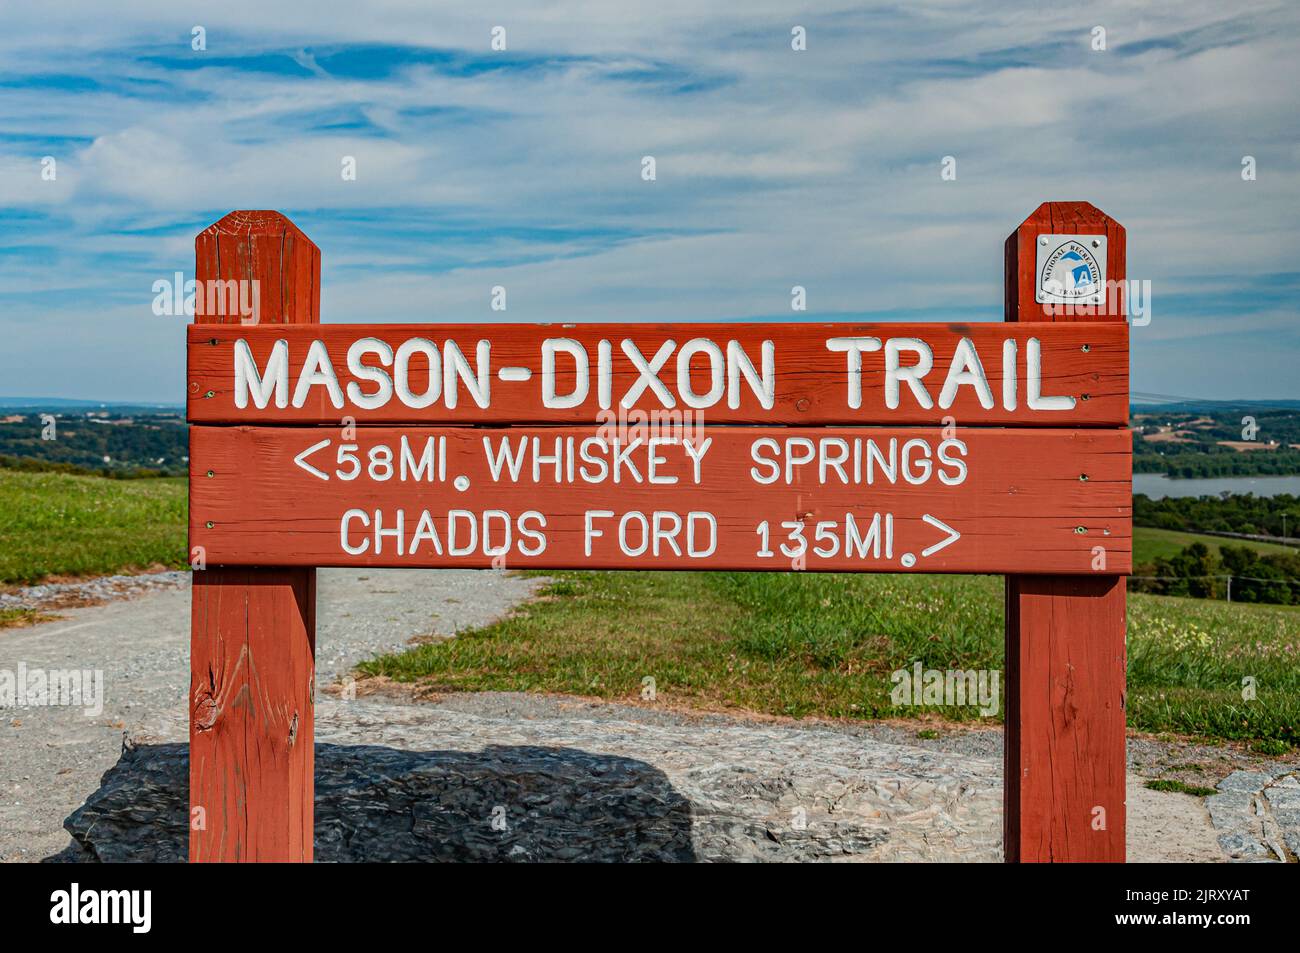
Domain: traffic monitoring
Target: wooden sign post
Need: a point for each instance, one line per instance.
(253, 627)
(1063, 756)
(993, 448)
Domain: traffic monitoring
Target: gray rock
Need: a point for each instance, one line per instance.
(1245, 781)
(1283, 798)
(411, 783)
(1231, 811)
(1291, 837)
(1244, 845)
(1258, 821)
(1287, 818)
(380, 804)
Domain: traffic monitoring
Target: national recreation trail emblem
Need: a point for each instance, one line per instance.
(1071, 269)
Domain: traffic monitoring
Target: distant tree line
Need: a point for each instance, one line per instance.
(1213, 461)
(28, 465)
(1199, 454)
(1227, 513)
(1244, 574)
(115, 446)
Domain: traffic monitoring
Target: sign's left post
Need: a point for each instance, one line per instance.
(253, 628)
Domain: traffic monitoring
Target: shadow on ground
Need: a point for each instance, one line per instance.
(377, 803)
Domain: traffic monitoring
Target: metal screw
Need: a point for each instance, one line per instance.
(1078, 530)
(1086, 396)
(211, 474)
(210, 394)
(213, 341)
(1083, 477)
(1096, 243)
(210, 524)
(1086, 348)
(1042, 241)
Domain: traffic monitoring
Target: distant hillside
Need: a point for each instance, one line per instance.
(1217, 440)
(74, 406)
(1192, 406)
(116, 441)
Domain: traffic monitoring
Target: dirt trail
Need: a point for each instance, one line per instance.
(52, 758)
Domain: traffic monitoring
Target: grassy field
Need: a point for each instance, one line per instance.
(802, 644)
(786, 644)
(1150, 543)
(61, 524)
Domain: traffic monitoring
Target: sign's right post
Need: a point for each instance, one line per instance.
(1064, 755)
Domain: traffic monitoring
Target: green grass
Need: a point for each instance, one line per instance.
(1188, 662)
(802, 644)
(21, 618)
(1150, 543)
(1179, 787)
(1272, 746)
(64, 524)
(781, 643)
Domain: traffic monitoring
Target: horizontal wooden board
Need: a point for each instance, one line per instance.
(978, 500)
(810, 382)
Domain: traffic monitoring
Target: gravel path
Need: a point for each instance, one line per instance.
(53, 758)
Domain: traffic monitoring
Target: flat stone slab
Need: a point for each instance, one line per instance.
(1257, 814)
(1244, 844)
(1245, 781)
(504, 777)
(401, 782)
(1232, 810)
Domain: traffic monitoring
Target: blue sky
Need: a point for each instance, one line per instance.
(522, 168)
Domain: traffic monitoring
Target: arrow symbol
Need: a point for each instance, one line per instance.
(953, 535)
(307, 453)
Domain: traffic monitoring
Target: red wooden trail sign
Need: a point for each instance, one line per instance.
(879, 499)
(1035, 375)
(994, 448)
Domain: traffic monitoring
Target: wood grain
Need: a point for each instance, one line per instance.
(1064, 756)
(251, 716)
(1087, 363)
(1032, 500)
(1065, 778)
(253, 630)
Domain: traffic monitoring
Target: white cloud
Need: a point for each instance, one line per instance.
(818, 168)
